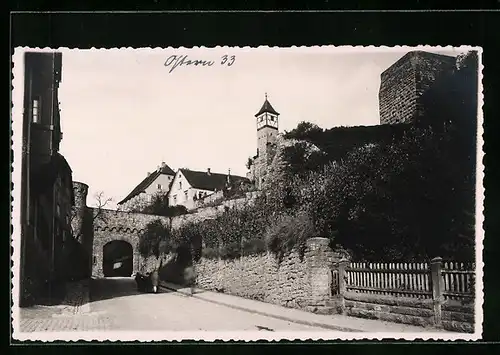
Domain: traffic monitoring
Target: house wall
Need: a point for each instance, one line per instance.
(145, 197)
(184, 193)
(164, 180)
(43, 262)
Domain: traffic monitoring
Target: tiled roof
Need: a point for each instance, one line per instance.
(204, 181)
(266, 107)
(146, 182)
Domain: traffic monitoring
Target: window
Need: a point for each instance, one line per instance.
(35, 111)
(180, 185)
(94, 259)
(186, 195)
(158, 186)
(175, 200)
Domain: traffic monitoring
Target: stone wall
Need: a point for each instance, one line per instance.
(295, 281)
(258, 277)
(403, 83)
(388, 308)
(96, 227)
(455, 316)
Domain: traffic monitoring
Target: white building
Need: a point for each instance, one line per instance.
(158, 181)
(190, 186)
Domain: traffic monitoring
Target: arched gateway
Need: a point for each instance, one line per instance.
(117, 259)
(115, 252)
(112, 237)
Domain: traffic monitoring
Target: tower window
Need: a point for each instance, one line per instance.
(180, 185)
(35, 111)
(158, 186)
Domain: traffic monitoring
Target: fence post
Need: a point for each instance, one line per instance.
(342, 266)
(437, 290)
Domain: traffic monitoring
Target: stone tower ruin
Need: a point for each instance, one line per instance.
(403, 84)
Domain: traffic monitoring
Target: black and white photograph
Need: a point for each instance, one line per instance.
(238, 193)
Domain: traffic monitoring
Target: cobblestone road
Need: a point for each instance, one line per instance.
(116, 305)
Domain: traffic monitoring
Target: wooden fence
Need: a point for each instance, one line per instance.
(450, 280)
(458, 279)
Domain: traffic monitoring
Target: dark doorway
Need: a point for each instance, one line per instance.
(117, 259)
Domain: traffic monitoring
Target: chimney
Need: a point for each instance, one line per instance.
(163, 164)
(148, 173)
(229, 176)
(208, 171)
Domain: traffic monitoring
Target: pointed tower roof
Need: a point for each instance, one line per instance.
(266, 108)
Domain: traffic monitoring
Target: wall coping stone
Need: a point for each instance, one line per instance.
(318, 241)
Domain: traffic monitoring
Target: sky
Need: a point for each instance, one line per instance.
(123, 111)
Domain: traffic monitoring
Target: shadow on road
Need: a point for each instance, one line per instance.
(114, 287)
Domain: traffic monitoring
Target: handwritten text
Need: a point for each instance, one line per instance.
(175, 61)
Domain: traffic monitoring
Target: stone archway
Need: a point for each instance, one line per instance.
(118, 259)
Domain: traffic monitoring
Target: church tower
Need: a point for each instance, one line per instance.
(267, 133)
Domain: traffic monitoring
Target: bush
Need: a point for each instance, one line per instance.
(230, 251)
(254, 247)
(210, 253)
(155, 240)
(289, 232)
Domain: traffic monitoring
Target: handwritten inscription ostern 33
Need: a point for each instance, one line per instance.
(175, 61)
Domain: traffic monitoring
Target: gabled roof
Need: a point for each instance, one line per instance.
(266, 107)
(166, 170)
(204, 181)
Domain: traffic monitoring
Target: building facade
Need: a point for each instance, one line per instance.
(267, 126)
(403, 84)
(157, 182)
(191, 188)
(47, 189)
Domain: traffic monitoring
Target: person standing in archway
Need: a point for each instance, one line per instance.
(190, 278)
(154, 280)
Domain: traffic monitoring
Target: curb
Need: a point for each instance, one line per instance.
(250, 310)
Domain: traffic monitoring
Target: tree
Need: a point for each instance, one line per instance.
(398, 201)
(305, 131)
(155, 240)
(249, 163)
(101, 202)
(158, 205)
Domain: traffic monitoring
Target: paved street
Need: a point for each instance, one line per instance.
(116, 305)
